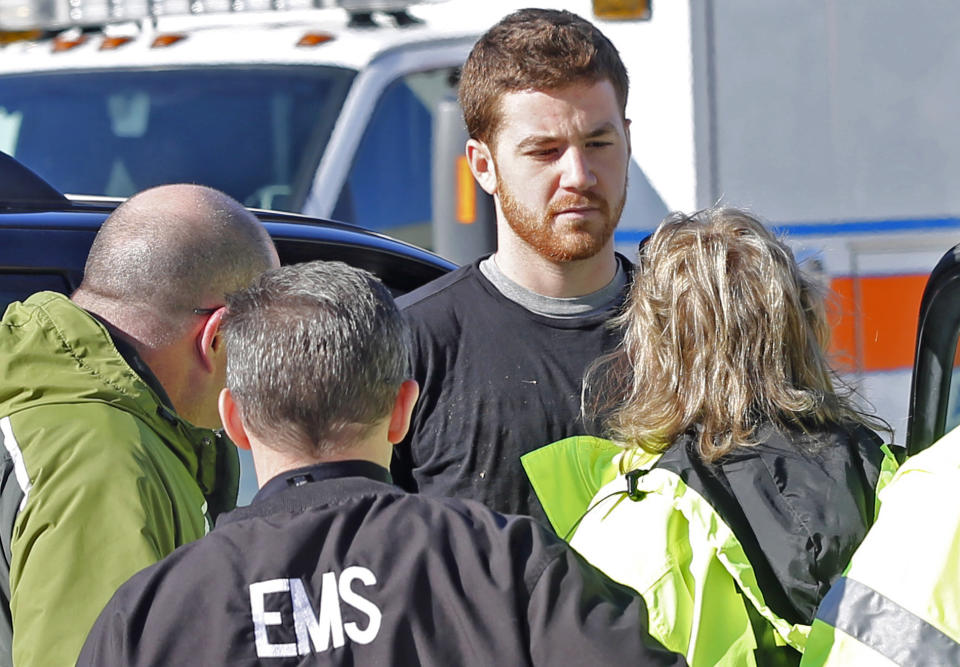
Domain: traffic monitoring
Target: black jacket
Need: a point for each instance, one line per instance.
(799, 502)
(332, 564)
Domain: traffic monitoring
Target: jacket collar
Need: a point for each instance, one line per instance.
(134, 360)
(323, 471)
(316, 486)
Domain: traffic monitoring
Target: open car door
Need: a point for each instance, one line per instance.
(934, 407)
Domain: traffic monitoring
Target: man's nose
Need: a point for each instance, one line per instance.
(576, 170)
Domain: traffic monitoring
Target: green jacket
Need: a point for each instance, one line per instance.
(899, 600)
(669, 543)
(99, 477)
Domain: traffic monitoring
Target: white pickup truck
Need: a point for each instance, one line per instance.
(325, 111)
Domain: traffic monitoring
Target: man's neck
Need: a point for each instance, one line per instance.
(132, 321)
(524, 266)
(272, 460)
(166, 358)
(131, 351)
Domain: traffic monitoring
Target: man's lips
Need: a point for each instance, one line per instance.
(582, 205)
(578, 209)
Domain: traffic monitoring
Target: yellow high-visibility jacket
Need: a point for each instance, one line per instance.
(664, 525)
(898, 603)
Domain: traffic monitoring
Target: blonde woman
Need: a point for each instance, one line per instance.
(737, 480)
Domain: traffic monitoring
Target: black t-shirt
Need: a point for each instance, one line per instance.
(496, 381)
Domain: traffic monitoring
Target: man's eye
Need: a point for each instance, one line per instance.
(599, 144)
(544, 153)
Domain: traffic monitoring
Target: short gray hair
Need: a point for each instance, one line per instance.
(312, 350)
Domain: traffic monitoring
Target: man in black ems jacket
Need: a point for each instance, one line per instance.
(331, 563)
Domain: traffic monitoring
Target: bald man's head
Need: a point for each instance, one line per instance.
(170, 249)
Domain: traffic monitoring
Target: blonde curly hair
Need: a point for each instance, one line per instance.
(722, 331)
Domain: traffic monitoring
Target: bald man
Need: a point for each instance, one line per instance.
(107, 401)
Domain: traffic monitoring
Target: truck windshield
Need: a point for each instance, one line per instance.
(256, 134)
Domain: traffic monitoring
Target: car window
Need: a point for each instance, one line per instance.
(255, 133)
(390, 178)
(18, 286)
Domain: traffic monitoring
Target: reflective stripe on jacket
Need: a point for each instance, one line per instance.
(899, 600)
(651, 530)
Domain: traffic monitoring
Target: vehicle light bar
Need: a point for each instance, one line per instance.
(114, 42)
(621, 9)
(23, 15)
(315, 39)
(67, 41)
(166, 39)
(8, 37)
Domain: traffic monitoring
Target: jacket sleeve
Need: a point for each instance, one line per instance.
(106, 643)
(896, 604)
(96, 512)
(579, 616)
(567, 474)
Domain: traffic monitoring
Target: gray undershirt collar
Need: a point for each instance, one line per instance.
(603, 299)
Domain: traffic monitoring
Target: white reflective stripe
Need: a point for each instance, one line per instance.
(205, 511)
(883, 625)
(13, 448)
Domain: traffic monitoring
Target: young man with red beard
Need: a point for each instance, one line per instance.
(500, 346)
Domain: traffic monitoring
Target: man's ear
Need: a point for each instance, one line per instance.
(209, 342)
(232, 420)
(481, 164)
(626, 130)
(407, 397)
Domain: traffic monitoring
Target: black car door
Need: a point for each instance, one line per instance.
(935, 389)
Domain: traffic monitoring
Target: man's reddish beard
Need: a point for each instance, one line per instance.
(566, 244)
